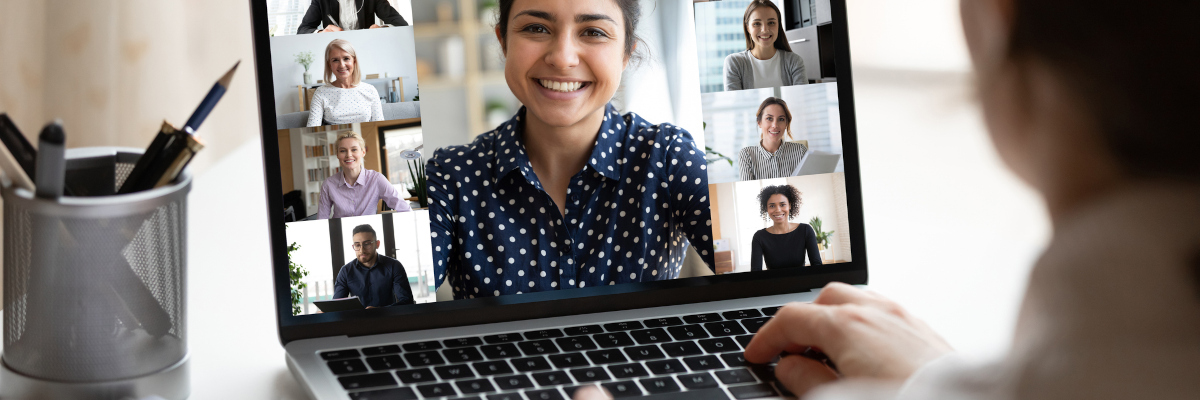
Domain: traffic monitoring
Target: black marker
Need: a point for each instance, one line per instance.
(51, 162)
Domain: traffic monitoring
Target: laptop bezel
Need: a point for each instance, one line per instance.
(553, 303)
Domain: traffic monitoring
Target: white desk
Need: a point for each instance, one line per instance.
(951, 235)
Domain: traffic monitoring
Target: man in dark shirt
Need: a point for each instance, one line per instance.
(377, 280)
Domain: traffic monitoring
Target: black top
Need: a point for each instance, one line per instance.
(385, 284)
(784, 251)
(320, 11)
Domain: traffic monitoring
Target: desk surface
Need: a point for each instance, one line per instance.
(951, 233)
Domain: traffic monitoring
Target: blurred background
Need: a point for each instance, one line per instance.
(951, 233)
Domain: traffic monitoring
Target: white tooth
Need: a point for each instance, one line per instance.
(558, 86)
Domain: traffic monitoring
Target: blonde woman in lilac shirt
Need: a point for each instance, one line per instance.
(355, 190)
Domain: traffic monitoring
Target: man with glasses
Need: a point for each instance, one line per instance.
(377, 280)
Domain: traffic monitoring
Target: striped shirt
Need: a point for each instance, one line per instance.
(755, 162)
(340, 200)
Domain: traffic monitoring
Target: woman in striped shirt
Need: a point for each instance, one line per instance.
(773, 157)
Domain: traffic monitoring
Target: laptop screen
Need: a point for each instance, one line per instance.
(537, 150)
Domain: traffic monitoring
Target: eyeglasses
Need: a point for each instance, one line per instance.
(360, 245)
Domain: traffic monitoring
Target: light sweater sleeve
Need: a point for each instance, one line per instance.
(316, 109)
(799, 75)
(376, 105)
(733, 74)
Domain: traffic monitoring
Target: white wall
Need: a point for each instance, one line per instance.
(389, 50)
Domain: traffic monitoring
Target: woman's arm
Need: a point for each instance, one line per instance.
(756, 254)
(313, 18)
(690, 193)
(391, 196)
(733, 73)
(441, 220)
(388, 14)
(797, 72)
(376, 105)
(324, 201)
(316, 108)
(746, 165)
(810, 245)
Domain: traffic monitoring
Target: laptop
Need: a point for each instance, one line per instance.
(355, 108)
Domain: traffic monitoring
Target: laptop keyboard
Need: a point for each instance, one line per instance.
(690, 357)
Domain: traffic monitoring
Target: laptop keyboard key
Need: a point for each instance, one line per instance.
(503, 338)
(569, 360)
(719, 345)
(537, 347)
(589, 374)
(727, 328)
(623, 326)
(575, 343)
(416, 375)
(626, 371)
(753, 324)
(702, 318)
(548, 394)
(552, 378)
(752, 391)
(367, 381)
(343, 367)
(744, 340)
(422, 346)
(437, 390)
(505, 396)
(623, 389)
(475, 386)
(735, 376)
(385, 362)
(680, 349)
(688, 332)
(465, 354)
(608, 356)
(513, 382)
(503, 350)
(385, 394)
(770, 311)
(741, 314)
(339, 354)
(648, 336)
(583, 330)
(423, 359)
(701, 380)
(662, 322)
(613, 339)
(462, 342)
(664, 384)
(530, 364)
(764, 372)
(701, 363)
(665, 367)
(489, 368)
(451, 372)
(381, 350)
(737, 359)
(543, 334)
(642, 353)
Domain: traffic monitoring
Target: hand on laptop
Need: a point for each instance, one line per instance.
(863, 333)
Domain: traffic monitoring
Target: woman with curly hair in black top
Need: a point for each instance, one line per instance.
(785, 243)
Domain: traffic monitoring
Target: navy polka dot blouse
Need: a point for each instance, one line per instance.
(631, 211)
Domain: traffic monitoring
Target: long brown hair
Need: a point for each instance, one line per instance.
(779, 102)
(781, 42)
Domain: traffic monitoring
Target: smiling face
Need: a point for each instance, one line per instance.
(773, 123)
(778, 208)
(564, 59)
(763, 27)
(350, 154)
(342, 64)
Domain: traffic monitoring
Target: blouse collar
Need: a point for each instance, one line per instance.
(605, 158)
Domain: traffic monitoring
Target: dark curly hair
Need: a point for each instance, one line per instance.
(788, 191)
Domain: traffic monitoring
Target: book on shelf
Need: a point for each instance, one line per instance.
(319, 151)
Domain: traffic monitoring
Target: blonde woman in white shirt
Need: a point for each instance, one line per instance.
(344, 99)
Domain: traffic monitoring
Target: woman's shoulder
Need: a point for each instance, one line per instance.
(367, 88)
(790, 57)
(645, 133)
(480, 152)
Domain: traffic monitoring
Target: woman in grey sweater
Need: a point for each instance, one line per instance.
(768, 60)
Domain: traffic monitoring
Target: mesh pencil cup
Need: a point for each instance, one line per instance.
(94, 286)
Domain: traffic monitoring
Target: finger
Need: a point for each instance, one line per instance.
(794, 326)
(800, 374)
(840, 293)
(591, 393)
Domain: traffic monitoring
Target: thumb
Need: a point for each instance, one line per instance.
(801, 374)
(591, 393)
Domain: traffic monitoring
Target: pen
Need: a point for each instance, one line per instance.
(51, 166)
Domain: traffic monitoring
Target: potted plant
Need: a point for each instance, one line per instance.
(296, 273)
(419, 187)
(822, 237)
(305, 59)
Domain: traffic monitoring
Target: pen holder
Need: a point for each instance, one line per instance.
(94, 287)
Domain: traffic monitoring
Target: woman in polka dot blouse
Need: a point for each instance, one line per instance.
(346, 99)
(568, 193)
